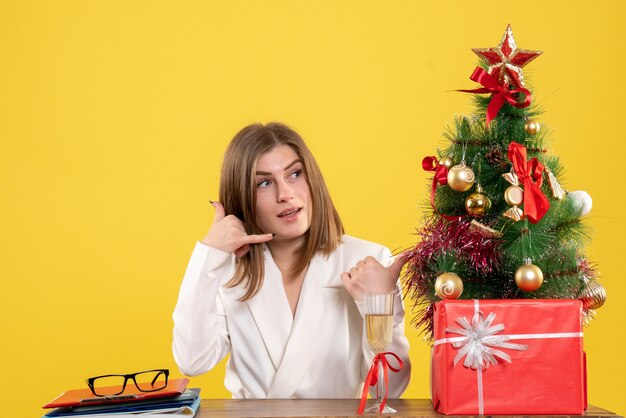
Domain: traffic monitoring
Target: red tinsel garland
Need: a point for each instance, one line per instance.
(479, 252)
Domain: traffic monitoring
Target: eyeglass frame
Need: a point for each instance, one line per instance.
(127, 377)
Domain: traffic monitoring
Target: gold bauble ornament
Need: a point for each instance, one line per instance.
(447, 162)
(477, 204)
(448, 286)
(532, 126)
(528, 277)
(461, 178)
(594, 296)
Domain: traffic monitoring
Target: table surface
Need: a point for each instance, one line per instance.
(422, 408)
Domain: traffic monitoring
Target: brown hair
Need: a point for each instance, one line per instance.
(238, 195)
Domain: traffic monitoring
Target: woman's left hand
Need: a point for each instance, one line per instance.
(369, 276)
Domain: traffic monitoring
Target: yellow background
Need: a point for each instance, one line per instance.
(114, 116)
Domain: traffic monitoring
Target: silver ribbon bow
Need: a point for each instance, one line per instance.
(479, 344)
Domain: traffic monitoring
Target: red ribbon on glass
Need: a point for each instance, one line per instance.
(499, 92)
(440, 177)
(530, 174)
(372, 377)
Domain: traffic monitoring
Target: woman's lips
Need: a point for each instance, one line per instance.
(289, 212)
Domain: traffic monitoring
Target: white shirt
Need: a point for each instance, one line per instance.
(322, 352)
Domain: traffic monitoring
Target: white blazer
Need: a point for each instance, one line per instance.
(321, 353)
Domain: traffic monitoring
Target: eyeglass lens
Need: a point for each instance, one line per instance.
(150, 381)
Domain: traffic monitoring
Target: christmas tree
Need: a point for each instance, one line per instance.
(500, 225)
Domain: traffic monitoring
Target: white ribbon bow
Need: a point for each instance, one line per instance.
(479, 342)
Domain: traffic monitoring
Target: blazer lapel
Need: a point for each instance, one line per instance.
(307, 329)
(271, 312)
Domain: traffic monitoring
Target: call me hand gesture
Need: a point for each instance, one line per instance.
(228, 233)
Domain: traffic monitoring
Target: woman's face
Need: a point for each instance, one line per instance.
(283, 198)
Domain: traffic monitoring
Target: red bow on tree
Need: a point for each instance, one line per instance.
(530, 174)
(440, 177)
(499, 93)
(441, 173)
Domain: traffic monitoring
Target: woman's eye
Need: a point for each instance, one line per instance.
(262, 183)
(296, 174)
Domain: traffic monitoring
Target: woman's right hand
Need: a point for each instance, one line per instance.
(228, 234)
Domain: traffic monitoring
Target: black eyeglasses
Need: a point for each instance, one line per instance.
(114, 384)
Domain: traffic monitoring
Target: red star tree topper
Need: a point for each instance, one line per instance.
(506, 60)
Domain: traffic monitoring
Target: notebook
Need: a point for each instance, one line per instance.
(84, 397)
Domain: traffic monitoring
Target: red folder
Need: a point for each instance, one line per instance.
(83, 397)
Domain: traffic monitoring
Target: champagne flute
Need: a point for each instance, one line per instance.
(379, 329)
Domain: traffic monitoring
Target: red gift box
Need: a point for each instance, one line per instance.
(512, 357)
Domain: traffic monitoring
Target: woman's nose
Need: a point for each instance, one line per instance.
(285, 192)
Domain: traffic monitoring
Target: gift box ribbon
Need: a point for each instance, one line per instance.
(480, 345)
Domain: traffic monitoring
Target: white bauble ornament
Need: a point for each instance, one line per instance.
(583, 200)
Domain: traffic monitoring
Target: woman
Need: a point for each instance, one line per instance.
(278, 285)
